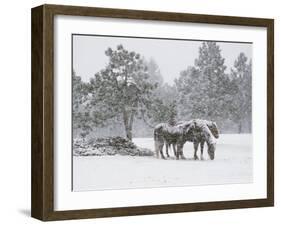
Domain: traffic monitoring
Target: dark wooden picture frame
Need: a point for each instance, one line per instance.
(42, 203)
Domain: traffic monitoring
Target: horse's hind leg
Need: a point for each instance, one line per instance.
(202, 149)
(175, 150)
(156, 147)
(195, 145)
(161, 150)
(180, 151)
(167, 150)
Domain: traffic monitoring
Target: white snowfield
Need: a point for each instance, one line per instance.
(232, 164)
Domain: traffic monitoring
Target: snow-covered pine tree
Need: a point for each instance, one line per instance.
(122, 89)
(162, 96)
(154, 72)
(172, 114)
(205, 90)
(241, 75)
(188, 90)
(80, 114)
(213, 81)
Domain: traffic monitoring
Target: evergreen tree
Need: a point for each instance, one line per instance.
(207, 91)
(213, 82)
(162, 102)
(164, 96)
(188, 94)
(242, 77)
(81, 117)
(154, 73)
(172, 114)
(122, 90)
(204, 90)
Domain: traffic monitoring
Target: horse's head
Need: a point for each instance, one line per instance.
(211, 150)
(211, 131)
(214, 129)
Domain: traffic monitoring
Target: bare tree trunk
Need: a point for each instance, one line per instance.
(128, 123)
(128, 132)
(240, 127)
(250, 123)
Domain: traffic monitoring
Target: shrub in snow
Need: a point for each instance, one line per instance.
(108, 146)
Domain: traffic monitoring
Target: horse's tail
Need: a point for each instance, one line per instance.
(156, 147)
(168, 144)
(156, 143)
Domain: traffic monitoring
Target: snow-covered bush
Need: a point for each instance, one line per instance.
(108, 146)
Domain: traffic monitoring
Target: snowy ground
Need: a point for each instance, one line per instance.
(232, 164)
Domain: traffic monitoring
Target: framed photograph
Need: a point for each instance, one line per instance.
(141, 112)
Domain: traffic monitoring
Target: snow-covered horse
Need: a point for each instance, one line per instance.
(205, 131)
(208, 130)
(176, 135)
(196, 131)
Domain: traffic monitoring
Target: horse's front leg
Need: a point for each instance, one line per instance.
(180, 151)
(195, 145)
(202, 149)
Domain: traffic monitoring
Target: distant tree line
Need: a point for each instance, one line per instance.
(129, 95)
(206, 91)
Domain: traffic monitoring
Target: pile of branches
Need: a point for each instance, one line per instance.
(108, 146)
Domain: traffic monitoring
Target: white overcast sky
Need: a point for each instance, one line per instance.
(172, 56)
